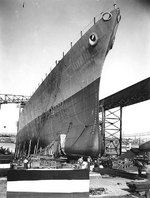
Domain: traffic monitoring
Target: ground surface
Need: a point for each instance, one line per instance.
(111, 187)
(108, 187)
(3, 187)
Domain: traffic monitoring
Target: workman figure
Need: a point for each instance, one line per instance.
(25, 161)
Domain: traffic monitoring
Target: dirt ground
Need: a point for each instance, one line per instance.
(3, 187)
(106, 186)
(111, 187)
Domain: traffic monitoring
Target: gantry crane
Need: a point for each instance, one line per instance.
(10, 98)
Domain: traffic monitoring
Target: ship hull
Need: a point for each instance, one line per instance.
(77, 118)
(66, 103)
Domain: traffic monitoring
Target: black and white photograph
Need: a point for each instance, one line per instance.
(74, 98)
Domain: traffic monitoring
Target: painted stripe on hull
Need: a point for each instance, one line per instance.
(4, 165)
(49, 186)
(46, 195)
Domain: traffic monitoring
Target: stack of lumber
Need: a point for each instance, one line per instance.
(139, 186)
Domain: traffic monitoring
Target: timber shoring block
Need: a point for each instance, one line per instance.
(139, 186)
(117, 173)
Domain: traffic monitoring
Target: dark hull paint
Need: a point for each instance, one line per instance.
(46, 195)
(57, 174)
(77, 118)
(67, 100)
(145, 147)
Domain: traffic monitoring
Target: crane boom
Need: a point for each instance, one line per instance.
(10, 98)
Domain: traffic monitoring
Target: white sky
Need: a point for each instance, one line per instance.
(34, 36)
